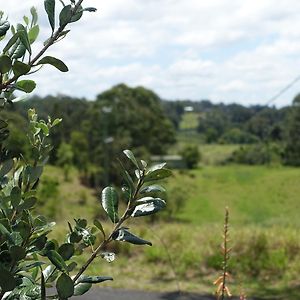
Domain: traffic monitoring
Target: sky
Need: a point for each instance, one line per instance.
(242, 51)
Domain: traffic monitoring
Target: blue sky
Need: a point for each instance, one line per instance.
(222, 50)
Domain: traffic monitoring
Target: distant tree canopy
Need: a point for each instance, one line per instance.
(292, 148)
(97, 131)
(242, 125)
(124, 117)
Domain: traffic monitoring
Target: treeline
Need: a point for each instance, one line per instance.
(94, 132)
(233, 123)
(265, 134)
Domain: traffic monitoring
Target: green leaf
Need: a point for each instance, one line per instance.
(23, 228)
(124, 235)
(44, 128)
(4, 26)
(90, 9)
(131, 157)
(49, 6)
(78, 15)
(26, 85)
(7, 280)
(23, 36)
(5, 64)
(17, 253)
(81, 288)
(66, 251)
(20, 68)
(6, 167)
(57, 261)
(15, 196)
(32, 174)
(158, 175)
(34, 15)
(152, 189)
(93, 279)
(28, 266)
(26, 20)
(55, 62)
(19, 52)
(33, 33)
(148, 206)
(128, 180)
(64, 286)
(156, 167)
(56, 122)
(99, 226)
(28, 203)
(110, 203)
(11, 42)
(65, 16)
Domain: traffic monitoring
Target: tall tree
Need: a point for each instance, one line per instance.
(292, 149)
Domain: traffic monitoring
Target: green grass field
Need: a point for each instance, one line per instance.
(255, 195)
(264, 227)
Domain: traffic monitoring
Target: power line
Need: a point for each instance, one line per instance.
(282, 91)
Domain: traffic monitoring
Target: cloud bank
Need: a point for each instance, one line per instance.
(230, 51)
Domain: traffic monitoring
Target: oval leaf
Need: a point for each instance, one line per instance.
(7, 280)
(148, 206)
(57, 261)
(5, 64)
(66, 251)
(65, 16)
(20, 68)
(49, 6)
(4, 26)
(65, 286)
(131, 157)
(152, 189)
(81, 288)
(26, 86)
(23, 36)
(33, 33)
(124, 235)
(93, 279)
(158, 175)
(110, 203)
(55, 62)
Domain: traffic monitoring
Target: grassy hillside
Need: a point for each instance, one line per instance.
(254, 194)
(264, 228)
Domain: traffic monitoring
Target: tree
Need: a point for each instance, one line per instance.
(191, 155)
(125, 117)
(292, 148)
(65, 158)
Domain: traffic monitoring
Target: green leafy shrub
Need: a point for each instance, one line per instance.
(191, 155)
(30, 261)
(260, 154)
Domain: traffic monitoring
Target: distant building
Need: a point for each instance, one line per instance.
(188, 108)
(173, 161)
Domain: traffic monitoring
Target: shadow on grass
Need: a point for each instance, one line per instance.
(286, 293)
(190, 296)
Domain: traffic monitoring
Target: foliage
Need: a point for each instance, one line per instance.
(191, 155)
(31, 262)
(292, 148)
(98, 130)
(237, 136)
(259, 154)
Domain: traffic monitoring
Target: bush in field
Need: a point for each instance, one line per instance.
(31, 262)
(191, 156)
(260, 154)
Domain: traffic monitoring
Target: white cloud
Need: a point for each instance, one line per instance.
(242, 51)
